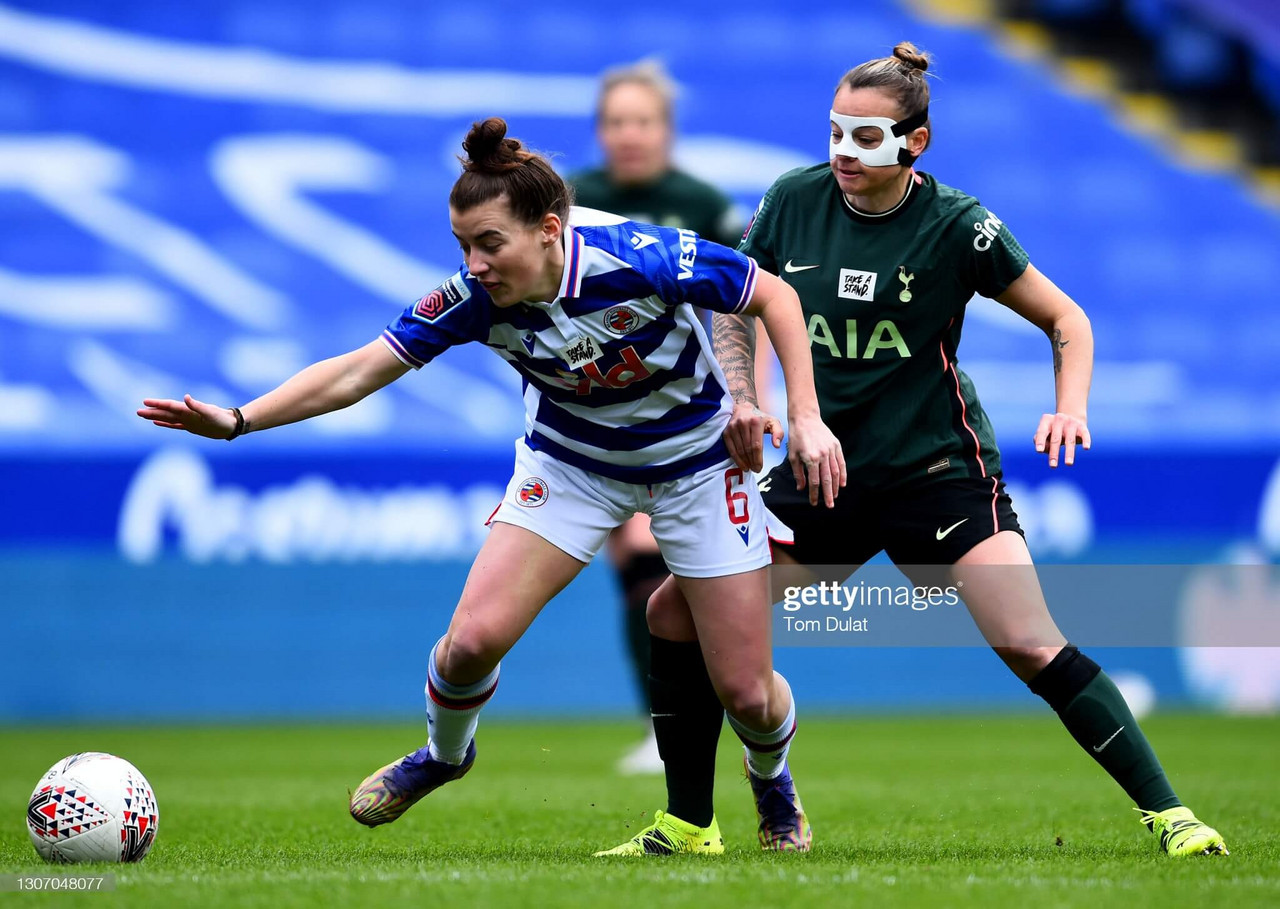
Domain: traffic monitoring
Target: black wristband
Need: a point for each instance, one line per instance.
(242, 425)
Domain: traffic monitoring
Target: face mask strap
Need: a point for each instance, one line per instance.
(904, 126)
(907, 124)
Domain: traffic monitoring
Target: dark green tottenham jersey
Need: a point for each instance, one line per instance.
(884, 298)
(674, 200)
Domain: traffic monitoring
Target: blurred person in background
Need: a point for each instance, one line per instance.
(635, 128)
(885, 259)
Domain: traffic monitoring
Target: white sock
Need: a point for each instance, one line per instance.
(453, 711)
(767, 751)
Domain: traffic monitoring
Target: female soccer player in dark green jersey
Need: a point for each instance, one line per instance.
(884, 259)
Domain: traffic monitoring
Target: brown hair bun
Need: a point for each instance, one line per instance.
(497, 166)
(489, 151)
(911, 56)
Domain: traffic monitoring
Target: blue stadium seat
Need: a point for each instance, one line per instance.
(1101, 210)
(1151, 17)
(1194, 57)
(1266, 74)
(1068, 10)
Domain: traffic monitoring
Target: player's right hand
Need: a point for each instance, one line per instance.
(1061, 432)
(817, 460)
(194, 416)
(744, 436)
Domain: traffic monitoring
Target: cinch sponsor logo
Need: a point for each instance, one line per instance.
(987, 231)
(174, 503)
(688, 252)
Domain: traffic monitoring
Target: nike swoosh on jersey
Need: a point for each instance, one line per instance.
(941, 534)
(792, 269)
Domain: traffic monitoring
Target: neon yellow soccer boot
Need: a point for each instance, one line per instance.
(1182, 833)
(669, 835)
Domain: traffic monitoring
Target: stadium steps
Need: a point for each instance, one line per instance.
(1197, 132)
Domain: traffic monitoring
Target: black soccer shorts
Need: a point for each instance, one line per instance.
(930, 522)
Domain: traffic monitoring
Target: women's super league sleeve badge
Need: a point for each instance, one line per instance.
(442, 299)
(532, 492)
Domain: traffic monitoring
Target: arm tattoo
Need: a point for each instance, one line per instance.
(1057, 343)
(734, 343)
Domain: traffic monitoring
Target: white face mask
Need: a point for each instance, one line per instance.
(888, 139)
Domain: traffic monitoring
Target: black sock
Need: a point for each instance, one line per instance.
(1096, 715)
(686, 718)
(640, 577)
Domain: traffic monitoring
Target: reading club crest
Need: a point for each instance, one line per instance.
(533, 492)
(621, 320)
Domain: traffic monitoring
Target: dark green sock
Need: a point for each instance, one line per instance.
(1096, 715)
(640, 577)
(687, 717)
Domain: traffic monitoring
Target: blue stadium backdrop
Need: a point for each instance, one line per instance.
(206, 196)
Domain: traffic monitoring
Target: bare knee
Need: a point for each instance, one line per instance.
(1026, 660)
(468, 652)
(668, 615)
(748, 700)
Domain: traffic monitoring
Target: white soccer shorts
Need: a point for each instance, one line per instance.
(709, 524)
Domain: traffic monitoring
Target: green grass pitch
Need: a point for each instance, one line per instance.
(952, 811)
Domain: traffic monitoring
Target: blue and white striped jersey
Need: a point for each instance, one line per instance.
(618, 373)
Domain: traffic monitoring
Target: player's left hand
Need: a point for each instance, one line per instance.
(744, 436)
(817, 460)
(1059, 430)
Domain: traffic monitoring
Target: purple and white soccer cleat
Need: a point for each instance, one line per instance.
(784, 827)
(391, 791)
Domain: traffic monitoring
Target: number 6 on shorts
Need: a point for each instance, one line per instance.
(736, 501)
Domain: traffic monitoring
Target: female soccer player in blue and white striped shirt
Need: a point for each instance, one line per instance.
(625, 408)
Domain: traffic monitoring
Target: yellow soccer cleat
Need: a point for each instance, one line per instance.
(1182, 833)
(669, 835)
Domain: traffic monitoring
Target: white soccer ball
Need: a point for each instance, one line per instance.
(93, 807)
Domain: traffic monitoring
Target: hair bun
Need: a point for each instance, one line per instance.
(911, 56)
(489, 151)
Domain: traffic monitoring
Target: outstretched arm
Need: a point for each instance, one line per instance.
(320, 388)
(1041, 302)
